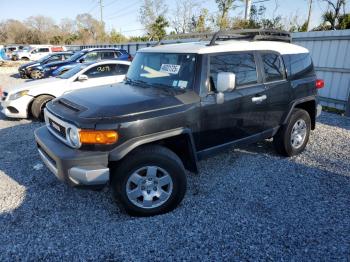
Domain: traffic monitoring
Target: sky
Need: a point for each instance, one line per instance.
(122, 15)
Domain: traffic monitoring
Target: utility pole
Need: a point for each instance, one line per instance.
(248, 5)
(309, 16)
(100, 2)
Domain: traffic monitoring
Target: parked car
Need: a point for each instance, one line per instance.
(30, 98)
(181, 103)
(34, 69)
(86, 55)
(37, 52)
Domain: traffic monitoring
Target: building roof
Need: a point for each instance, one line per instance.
(227, 46)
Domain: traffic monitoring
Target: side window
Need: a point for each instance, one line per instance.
(108, 55)
(300, 65)
(121, 69)
(242, 65)
(272, 67)
(67, 56)
(101, 71)
(91, 57)
(43, 50)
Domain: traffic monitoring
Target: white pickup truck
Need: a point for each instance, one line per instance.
(37, 52)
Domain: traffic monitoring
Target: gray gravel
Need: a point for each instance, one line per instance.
(246, 204)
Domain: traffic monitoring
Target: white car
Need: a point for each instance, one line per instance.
(30, 98)
(38, 52)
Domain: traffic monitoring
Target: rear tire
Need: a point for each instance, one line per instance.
(151, 180)
(291, 138)
(38, 106)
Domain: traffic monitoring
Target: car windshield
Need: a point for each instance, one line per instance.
(162, 70)
(76, 56)
(44, 58)
(71, 72)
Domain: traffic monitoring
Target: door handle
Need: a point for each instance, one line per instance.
(258, 99)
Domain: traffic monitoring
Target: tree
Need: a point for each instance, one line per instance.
(199, 24)
(344, 21)
(150, 11)
(332, 15)
(224, 6)
(115, 37)
(157, 29)
(181, 19)
(42, 28)
(89, 29)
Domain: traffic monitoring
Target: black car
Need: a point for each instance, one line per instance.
(32, 69)
(86, 55)
(181, 103)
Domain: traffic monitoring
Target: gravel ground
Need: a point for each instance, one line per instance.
(245, 204)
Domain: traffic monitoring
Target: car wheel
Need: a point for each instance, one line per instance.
(149, 181)
(292, 138)
(36, 74)
(38, 106)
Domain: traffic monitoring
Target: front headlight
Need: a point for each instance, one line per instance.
(18, 94)
(74, 137)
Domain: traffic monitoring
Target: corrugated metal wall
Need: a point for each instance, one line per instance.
(330, 51)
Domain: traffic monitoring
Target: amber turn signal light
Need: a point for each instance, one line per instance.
(98, 137)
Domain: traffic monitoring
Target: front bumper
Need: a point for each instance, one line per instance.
(17, 108)
(76, 167)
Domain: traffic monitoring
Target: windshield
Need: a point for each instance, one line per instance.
(163, 69)
(76, 56)
(71, 72)
(44, 58)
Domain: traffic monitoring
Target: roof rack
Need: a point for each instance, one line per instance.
(252, 34)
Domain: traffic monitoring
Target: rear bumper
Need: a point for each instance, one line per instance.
(318, 110)
(76, 167)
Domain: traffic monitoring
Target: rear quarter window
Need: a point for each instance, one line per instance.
(299, 65)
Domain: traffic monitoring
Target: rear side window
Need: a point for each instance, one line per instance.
(108, 55)
(242, 65)
(121, 69)
(273, 68)
(299, 65)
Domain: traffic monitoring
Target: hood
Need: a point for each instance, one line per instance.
(121, 100)
(34, 84)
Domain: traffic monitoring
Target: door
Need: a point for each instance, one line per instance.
(241, 115)
(39, 53)
(278, 89)
(98, 75)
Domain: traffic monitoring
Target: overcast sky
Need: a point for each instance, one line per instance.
(123, 15)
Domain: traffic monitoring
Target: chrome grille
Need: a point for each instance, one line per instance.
(59, 128)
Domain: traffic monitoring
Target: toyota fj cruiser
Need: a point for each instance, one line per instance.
(178, 104)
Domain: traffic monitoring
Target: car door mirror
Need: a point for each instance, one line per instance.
(81, 60)
(225, 82)
(82, 78)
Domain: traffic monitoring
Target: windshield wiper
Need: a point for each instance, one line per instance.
(136, 82)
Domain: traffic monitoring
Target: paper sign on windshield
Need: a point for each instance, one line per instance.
(170, 69)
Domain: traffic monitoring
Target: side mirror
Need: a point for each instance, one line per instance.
(226, 81)
(82, 78)
(81, 60)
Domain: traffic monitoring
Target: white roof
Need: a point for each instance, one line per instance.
(227, 46)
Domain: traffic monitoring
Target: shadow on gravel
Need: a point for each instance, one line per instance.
(335, 120)
(248, 204)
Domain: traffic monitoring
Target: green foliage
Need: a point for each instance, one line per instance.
(157, 29)
(116, 37)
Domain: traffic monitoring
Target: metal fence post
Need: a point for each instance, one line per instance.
(347, 107)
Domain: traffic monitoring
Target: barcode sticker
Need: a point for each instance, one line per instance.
(170, 69)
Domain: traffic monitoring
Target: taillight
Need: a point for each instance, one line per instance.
(130, 58)
(319, 83)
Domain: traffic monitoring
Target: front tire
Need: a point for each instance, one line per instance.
(36, 74)
(38, 106)
(150, 181)
(291, 138)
